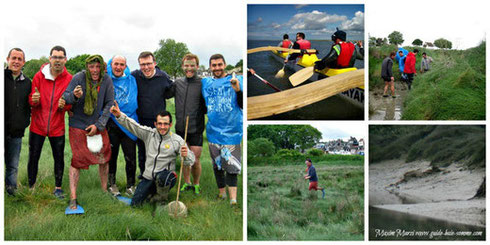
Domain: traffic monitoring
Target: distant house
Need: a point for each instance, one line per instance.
(349, 147)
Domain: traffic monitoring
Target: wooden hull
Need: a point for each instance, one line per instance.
(291, 99)
(353, 95)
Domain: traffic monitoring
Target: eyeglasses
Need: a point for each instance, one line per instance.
(58, 57)
(146, 64)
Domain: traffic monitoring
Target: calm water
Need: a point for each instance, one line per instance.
(266, 66)
(397, 222)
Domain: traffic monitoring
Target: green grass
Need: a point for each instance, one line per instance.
(280, 207)
(39, 215)
(454, 88)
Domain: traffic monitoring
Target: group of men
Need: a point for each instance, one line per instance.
(108, 107)
(406, 64)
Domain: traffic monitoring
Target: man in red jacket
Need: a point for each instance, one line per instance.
(410, 66)
(48, 116)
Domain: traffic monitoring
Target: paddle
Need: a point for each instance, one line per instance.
(272, 48)
(301, 75)
(265, 81)
(281, 72)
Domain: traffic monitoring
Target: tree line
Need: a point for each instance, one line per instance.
(396, 38)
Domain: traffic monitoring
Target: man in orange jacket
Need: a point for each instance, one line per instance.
(48, 116)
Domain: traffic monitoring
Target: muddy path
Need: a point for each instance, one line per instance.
(387, 108)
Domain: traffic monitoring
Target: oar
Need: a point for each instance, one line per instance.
(302, 75)
(280, 73)
(271, 48)
(265, 81)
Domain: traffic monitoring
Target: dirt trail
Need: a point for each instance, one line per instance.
(387, 108)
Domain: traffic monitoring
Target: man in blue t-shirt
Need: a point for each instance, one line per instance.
(223, 96)
(313, 178)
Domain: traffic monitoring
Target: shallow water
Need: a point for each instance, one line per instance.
(391, 225)
(266, 66)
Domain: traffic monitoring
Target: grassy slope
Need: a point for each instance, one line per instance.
(441, 144)
(280, 207)
(454, 88)
(39, 216)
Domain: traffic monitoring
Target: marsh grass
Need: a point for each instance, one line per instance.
(454, 88)
(38, 215)
(440, 144)
(288, 211)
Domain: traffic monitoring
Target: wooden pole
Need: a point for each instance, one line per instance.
(287, 100)
(181, 166)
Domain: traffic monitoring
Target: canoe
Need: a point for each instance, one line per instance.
(354, 95)
(291, 99)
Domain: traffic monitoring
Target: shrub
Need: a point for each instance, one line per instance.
(260, 147)
(315, 152)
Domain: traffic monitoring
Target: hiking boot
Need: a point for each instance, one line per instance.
(11, 190)
(162, 194)
(114, 190)
(130, 190)
(186, 187)
(58, 193)
(222, 196)
(197, 189)
(323, 193)
(385, 95)
(393, 96)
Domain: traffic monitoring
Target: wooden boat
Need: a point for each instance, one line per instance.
(291, 99)
(353, 95)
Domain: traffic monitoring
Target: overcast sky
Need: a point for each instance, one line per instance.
(270, 22)
(124, 27)
(462, 22)
(341, 130)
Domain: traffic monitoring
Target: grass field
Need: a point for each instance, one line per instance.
(280, 207)
(38, 215)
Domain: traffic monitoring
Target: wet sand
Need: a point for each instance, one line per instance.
(444, 195)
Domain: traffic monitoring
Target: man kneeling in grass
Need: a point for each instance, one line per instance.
(313, 178)
(162, 148)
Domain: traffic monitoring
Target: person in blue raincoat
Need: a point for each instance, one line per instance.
(126, 93)
(224, 101)
(400, 58)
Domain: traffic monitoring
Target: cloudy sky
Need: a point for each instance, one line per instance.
(271, 22)
(123, 27)
(461, 22)
(343, 130)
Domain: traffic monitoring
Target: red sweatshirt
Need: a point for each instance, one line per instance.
(410, 63)
(47, 118)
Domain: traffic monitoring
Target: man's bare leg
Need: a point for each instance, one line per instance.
(232, 191)
(74, 177)
(196, 168)
(103, 173)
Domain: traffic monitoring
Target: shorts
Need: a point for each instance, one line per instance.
(192, 139)
(226, 157)
(387, 79)
(313, 186)
(82, 157)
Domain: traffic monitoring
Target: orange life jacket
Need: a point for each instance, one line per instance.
(346, 52)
